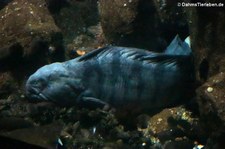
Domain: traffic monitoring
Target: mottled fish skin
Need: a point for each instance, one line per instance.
(117, 76)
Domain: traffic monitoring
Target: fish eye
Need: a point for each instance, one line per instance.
(34, 82)
(41, 80)
(51, 77)
(38, 82)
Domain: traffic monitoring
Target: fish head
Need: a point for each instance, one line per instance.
(53, 83)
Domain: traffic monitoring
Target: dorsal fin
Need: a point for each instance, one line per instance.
(126, 53)
(188, 41)
(178, 47)
(93, 53)
(134, 54)
(161, 59)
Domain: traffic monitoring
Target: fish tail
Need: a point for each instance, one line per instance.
(178, 47)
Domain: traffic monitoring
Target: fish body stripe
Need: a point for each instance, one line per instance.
(116, 79)
(116, 75)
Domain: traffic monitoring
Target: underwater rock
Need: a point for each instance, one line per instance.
(147, 24)
(3, 3)
(116, 17)
(12, 123)
(101, 132)
(42, 113)
(83, 128)
(27, 33)
(7, 84)
(207, 34)
(10, 56)
(15, 106)
(75, 18)
(54, 6)
(180, 144)
(216, 141)
(8, 143)
(44, 136)
(172, 19)
(211, 100)
(79, 23)
(86, 42)
(174, 124)
(81, 45)
(24, 22)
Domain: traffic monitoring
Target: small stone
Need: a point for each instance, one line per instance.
(16, 9)
(209, 89)
(143, 144)
(160, 119)
(14, 3)
(198, 146)
(120, 141)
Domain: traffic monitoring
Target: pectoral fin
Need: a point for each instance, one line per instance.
(92, 102)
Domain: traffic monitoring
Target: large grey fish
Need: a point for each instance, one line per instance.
(117, 76)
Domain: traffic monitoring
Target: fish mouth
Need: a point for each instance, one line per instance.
(35, 94)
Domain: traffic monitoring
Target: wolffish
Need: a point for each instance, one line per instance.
(117, 76)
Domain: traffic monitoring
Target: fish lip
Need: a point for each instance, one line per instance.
(31, 91)
(35, 94)
(43, 96)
